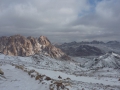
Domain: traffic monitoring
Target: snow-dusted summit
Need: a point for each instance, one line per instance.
(110, 60)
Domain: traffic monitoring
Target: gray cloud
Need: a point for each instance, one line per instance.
(61, 20)
(105, 21)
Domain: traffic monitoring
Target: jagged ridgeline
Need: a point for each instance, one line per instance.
(18, 45)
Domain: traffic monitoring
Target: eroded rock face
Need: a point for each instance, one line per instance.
(18, 45)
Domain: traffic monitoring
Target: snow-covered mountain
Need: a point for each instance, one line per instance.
(40, 72)
(110, 60)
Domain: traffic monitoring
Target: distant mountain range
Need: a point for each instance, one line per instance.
(18, 45)
(93, 48)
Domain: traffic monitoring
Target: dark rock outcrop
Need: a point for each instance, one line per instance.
(73, 48)
(1, 72)
(18, 45)
(86, 50)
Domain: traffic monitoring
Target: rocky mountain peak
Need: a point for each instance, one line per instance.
(18, 45)
(44, 40)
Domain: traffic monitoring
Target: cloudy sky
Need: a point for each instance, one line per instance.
(61, 20)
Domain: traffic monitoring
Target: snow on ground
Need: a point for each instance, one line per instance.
(110, 60)
(78, 77)
(18, 80)
(56, 74)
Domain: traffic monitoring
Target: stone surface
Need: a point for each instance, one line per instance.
(18, 45)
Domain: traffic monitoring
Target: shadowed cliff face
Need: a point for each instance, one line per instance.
(76, 49)
(18, 45)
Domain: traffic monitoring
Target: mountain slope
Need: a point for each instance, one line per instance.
(63, 75)
(81, 50)
(110, 60)
(89, 48)
(18, 80)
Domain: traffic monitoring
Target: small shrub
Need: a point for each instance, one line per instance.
(59, 85)
(59, 77)
(32, 76)
(1, 72)
(47, 78)
(38, 77)
(68, 78)
(31, 71)
(25, 70)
